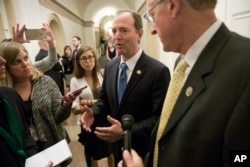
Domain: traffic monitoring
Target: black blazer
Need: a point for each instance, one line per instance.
(212, 114)
(8, 157)
(143, 98)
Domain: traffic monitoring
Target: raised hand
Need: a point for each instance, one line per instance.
(50, 36)
(111, 133)
(87, 118)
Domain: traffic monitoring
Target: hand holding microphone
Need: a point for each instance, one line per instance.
(127, 124)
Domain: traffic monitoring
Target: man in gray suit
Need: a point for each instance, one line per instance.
(210, 122)
(147, 82)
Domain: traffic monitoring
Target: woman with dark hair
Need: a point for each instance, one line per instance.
(68, 64)
(86, 72)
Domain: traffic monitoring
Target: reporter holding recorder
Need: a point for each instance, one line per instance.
(12, 121)
(46, 111)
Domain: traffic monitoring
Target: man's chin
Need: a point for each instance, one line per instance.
(119, 52)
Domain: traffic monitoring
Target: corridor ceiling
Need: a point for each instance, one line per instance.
(99, 11)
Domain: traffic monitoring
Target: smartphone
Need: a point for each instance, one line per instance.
(78, 91)
(35, 34)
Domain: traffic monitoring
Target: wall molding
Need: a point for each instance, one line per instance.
(241, 22)
(58, 8)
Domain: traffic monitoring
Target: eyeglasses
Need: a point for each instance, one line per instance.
(89, 58)
(148, 16)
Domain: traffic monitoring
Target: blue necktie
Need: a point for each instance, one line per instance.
(122, 83)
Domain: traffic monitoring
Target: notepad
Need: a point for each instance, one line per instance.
(57, 153)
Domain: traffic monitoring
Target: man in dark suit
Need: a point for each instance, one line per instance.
(210, 122)
(76, 42)
(143, 98)
(56, 72)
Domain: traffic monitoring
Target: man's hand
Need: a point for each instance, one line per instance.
(111, 133)
(132, 159)
(87, 118)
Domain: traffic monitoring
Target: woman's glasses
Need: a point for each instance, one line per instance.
(87, 58)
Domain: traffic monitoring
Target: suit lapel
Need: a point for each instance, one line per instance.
(137, 73)
(116, 73)
(194, 85)
(111, 80)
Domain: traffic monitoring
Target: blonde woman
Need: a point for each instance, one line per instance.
(45, 107)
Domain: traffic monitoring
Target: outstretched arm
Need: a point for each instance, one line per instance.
(50, 60)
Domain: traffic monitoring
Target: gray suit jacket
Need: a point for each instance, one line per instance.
(212, 114)
(143, 98)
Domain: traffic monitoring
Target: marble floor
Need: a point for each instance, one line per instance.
(77, 148)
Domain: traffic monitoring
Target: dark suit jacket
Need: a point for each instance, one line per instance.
(143, 98)
(212, 114)
(8, 157)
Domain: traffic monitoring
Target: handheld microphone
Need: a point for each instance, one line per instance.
(127, 124)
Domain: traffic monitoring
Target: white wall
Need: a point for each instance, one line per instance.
(238, 16)
(76, 6)
(135, 4)
(95, 6)
(25, 14)
(30, 13)
(234, 13)
(7, 30)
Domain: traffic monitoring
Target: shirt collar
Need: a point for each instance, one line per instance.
(195, 50)
(132, 61)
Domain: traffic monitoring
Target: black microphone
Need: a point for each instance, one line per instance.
(127, 124)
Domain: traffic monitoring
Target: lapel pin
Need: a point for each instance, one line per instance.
(189, 91)
(138, 72)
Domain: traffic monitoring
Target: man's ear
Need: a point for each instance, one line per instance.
(140, 33)
(174, 7)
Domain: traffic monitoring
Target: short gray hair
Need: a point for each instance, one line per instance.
(202, 4)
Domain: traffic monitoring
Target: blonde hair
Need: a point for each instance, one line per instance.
(9, 51)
